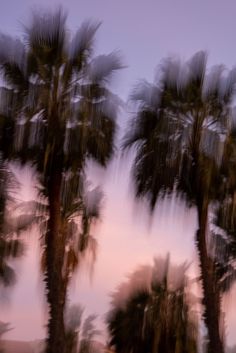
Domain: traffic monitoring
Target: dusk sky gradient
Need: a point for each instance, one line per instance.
(144, 32)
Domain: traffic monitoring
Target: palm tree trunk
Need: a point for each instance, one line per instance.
(55, 284)
(156, 340)
(211, 297)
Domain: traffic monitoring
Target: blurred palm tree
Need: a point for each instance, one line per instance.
(224, 234)
(178, 132)
(58, 107)
(151, 312)
(10, 246)
(12, 223)
(80, 334)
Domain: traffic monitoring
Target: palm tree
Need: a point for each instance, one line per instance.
(63, 114)
(178, 131)
(9, 247)
(151, 312)
(80, 332)
(12, 224)
(224, 240)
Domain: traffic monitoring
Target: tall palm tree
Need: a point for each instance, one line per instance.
(63, 114)
(178, 131)
(224, 240)
(152, 313)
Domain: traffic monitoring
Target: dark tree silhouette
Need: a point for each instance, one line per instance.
(178, 132)
(224, 235)
(151, 312)
(57, 106)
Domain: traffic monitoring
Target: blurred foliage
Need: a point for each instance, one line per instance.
(179, 130)
(153, 312)
(56, 113)
(80, 334)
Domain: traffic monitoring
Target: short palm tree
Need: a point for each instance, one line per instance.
(178, 131)
(151, 313)
(10, 227)
(80, 333)
(60, 112)
(12, 224)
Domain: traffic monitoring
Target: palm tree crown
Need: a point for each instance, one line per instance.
(57, 92)
(152, 311)
(181, 119)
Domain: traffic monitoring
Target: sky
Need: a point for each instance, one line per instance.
(145, 32)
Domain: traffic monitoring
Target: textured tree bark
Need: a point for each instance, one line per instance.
(55, 284)
(211, 297)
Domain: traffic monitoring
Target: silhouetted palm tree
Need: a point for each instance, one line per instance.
(61, 113)
(178, 131)
(151, 312)
(224, 236)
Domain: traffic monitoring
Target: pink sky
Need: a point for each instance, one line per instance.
(145, 32)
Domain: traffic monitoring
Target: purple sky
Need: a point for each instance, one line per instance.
(145, 32)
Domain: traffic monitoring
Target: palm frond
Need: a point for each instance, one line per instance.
(197, 67)
(7, 275)
(92, 202)
(89, 331)
(46, 35)
(73, 317)
(4, 327)
(103, 67)
(81, 46)
(146, 95)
